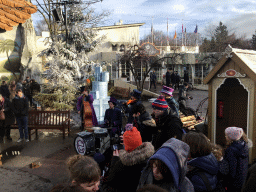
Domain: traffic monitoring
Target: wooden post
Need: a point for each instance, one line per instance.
(202, 74)
(193, 74)
(1, 160)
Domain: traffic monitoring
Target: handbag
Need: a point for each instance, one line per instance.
(2, 115)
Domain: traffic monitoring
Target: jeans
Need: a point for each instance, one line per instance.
(23, 125)
(152, 83)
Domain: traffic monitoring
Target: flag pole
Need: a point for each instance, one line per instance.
(197, 36)
(185, 37)
(152, 31)
(176, 36)
(167, 43)
(182, 33)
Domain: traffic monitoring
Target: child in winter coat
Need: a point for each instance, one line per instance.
(167, 168)
(203, 165)
(127, 164)
(235, 161)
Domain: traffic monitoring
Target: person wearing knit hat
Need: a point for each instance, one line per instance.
(130, 104)
(172, 103)
(234, 165)
(234, 133)
(80, 106)
(131, 139)
(167, 125)
(160, 104)
(144, 122)
(113, 118)
(127, 164)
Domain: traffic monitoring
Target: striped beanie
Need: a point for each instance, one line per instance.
(167, 90)
(160, 103)
(234, 133)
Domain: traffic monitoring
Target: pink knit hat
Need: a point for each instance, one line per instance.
(234, 133)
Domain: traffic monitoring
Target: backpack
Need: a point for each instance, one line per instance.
(219, 187)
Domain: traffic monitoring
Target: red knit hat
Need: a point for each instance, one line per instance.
(132, 139)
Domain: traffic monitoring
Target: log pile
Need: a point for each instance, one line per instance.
(189, 122)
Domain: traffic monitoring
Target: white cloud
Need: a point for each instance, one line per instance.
(202, 12)
(178, 8)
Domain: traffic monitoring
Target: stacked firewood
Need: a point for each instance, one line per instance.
(189, 122)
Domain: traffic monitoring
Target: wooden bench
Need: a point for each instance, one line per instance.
(121, 92)
(47, 120)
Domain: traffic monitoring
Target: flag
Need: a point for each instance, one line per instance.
(175, 35)
(182, 27)
(195, 29)
(152, 32)
(185, 30)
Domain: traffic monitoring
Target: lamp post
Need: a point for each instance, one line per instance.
(65, 3)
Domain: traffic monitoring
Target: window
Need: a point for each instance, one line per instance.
(114, 47)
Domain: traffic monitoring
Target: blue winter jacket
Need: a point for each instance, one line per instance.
(207, 165)
(173, 154)
(236, 158)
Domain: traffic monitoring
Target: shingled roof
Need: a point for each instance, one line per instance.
(13, 12)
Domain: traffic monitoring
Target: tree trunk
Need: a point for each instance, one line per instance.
(16, 78)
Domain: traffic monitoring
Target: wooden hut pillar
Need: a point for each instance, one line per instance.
(202, 81)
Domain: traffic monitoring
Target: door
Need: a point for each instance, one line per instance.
(234, 98)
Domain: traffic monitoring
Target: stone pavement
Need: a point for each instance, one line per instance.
(52, 152)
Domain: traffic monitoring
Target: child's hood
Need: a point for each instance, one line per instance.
(240, 148)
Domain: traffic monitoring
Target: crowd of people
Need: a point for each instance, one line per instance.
(15, 99)
(173, 79)
(191, 163)
(156, 154)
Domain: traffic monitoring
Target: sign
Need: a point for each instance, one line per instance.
(150, 49)
(231, 72)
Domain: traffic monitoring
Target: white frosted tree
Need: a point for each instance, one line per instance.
(69, 66)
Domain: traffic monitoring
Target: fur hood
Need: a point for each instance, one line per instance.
(138, 155)
(150, 123)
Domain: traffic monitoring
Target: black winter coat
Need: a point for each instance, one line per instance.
(130, 109)
(114, 117)
(173, 78)
(177, 78)
(167, 126)
(9, 115)
(26, 89)
(145, 126)
(4, 90)
(125, 170)
(168, 78)
(250, 184)
(20, 106)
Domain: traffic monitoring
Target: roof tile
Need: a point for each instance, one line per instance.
(13, 12)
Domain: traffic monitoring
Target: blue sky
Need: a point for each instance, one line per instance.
(238, 15)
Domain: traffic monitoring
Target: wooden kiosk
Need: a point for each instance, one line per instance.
(232, 95)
